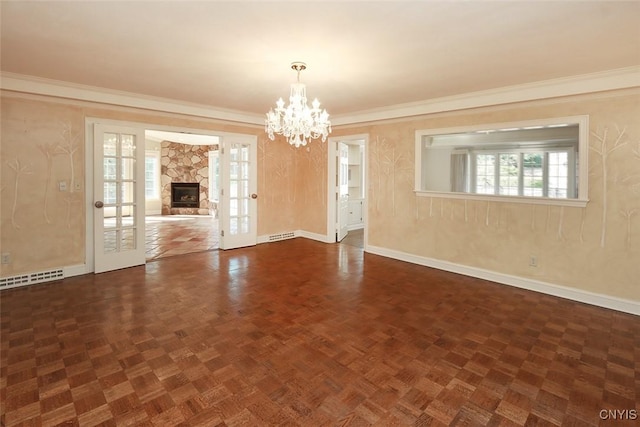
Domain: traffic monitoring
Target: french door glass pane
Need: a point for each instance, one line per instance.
(244, 170)
(127, 192)
(127, 239)
(128, 216)
(110, 241)
(128, 170)
(109, 218)
(244, 224)
(109, 168)
(109, 196)
(110, 142)
(128, 145)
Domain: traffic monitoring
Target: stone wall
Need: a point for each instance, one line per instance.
(185, 163)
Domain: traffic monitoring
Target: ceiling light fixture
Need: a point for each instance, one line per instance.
(297, 122)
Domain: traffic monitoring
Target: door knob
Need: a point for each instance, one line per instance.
(254, 196)
(98, 204)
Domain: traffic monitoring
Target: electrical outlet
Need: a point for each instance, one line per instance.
(6, 258)
(62, 185)
(533, 261)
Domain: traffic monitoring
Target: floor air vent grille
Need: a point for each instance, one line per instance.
(281, 236)
(31, 278)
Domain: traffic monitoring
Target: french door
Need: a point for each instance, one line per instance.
(238, 192)
(119, 235)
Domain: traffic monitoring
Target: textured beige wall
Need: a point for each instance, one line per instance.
(311, 170)
(41, 145)
(595, 249)
(291, 186)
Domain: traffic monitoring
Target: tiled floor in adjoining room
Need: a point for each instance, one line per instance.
(304, 333)
(169, 235)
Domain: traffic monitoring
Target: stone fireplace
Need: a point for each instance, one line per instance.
(184, 163)
(185, 195)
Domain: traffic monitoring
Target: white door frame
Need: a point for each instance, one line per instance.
(332, 155)
(89, 170)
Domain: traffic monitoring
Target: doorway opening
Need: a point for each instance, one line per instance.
(347, 175)
(181, 193)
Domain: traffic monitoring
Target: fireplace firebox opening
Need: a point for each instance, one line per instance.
(185, 195)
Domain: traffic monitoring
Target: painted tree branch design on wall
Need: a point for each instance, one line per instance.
(628, 215)
(19, 169)
(378, 147)
(388, 163)
(561, 224)
(282, 173)
(69, 146)
(316, 160)
(605, 147)
(266, 156)
(69, 201)
(633, 183)
(49, 151)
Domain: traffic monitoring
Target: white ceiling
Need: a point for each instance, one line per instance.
(361, 55)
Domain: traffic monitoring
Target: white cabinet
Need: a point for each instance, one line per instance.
(356, 172)
(355, 212)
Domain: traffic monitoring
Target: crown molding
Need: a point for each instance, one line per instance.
(576, 85)
(622, 78)
(55, 88)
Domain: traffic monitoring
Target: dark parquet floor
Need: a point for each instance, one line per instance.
(301, 333)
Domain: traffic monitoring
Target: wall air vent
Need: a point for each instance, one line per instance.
(282, 236)
(31, 278)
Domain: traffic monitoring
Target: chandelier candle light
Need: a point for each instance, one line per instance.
(297, 122)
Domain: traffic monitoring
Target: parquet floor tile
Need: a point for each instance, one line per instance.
(300, 333)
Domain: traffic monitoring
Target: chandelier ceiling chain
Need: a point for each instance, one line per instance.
(297, 122)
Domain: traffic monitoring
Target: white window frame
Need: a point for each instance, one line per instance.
(582, 170)
(571, 173)
(156, 173)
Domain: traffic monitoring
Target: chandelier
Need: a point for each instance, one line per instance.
(297, 122)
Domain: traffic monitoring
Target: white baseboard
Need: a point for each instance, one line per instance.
(600, 300)
(291, 235)
(76, 270)
(50, 275)
(313, 236)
